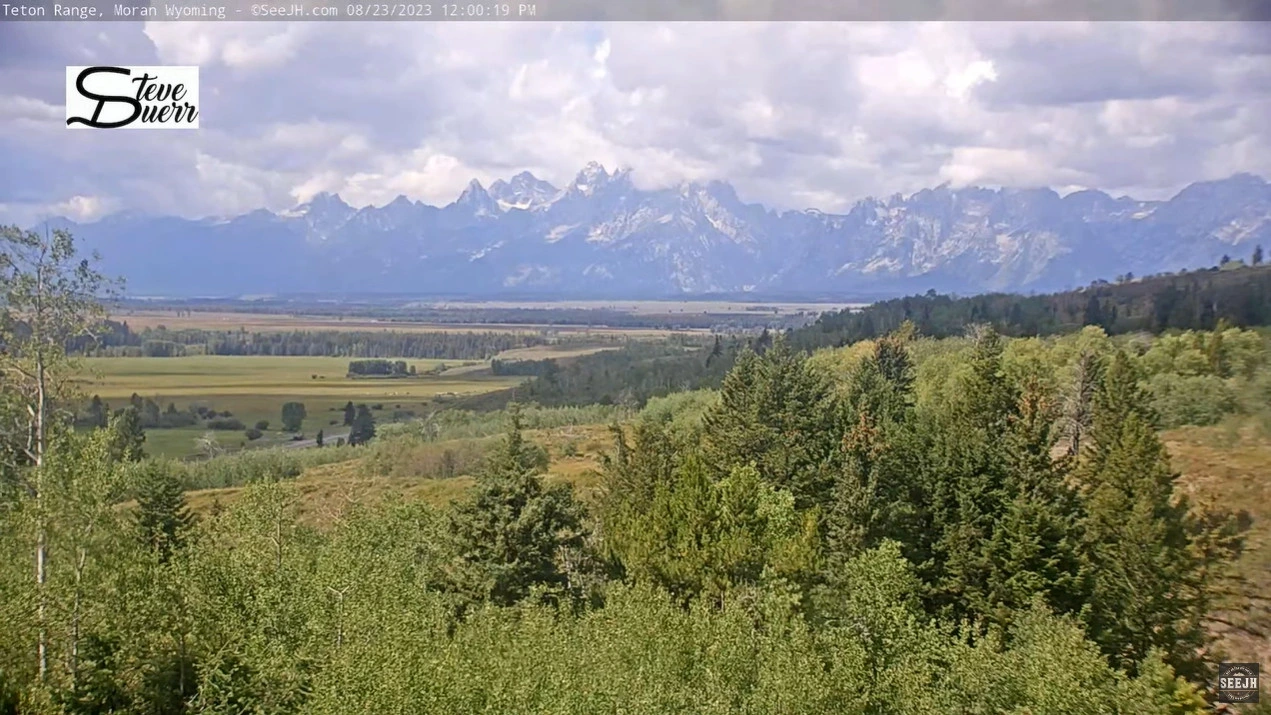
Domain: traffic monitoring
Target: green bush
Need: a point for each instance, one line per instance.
(1191, 400)
(225, 423)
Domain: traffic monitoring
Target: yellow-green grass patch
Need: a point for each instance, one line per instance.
(328, 489)
(254, 388)
(1230, 468)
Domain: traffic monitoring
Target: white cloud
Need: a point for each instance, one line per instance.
(794, 114)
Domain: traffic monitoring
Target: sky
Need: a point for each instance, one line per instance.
(794, 115)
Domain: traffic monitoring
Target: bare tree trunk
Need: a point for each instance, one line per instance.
(42, 645)
(41, 537)
(75, 615)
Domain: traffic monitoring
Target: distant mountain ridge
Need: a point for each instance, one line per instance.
(600, 236)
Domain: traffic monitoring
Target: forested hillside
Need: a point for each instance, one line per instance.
(1234, 294)
(1200, 300)
(904, 525)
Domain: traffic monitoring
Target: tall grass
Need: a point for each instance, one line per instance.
(400, 449)
(256, 465)
(465, 424)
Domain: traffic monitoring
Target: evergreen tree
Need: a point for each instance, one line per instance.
(349, 413)
(967, 482)
(1148, 581)
(510, 532)
(162, 516)
(98, 414)
(717, 351)
(876, 494)
(633, 473)
(293, 416)
(1035, 549)
(1079, 405)
(776, 412)
(319, 438)
(363, 428)
(126, 436)
(1093, 314)
(1257, 255)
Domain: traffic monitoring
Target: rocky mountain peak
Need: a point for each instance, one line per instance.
(602, 236)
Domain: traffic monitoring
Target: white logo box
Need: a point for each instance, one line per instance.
(132, 97)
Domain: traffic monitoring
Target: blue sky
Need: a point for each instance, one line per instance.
(795, 115)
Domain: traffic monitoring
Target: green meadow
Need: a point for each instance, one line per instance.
(254, 388)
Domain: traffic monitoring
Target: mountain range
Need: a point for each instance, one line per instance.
(601, 236)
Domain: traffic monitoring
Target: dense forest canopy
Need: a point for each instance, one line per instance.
(117, 339)
(1234, 294)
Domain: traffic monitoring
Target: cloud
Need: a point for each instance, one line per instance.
(793, 114)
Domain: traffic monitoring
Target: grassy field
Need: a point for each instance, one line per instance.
(255, 387)
(326, 489)
(1229, 467)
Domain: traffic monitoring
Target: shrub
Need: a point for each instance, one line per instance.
(174, 420)
(1191, 400)
(262, 425)
(225, 423)
(411, 456)
(253, 434)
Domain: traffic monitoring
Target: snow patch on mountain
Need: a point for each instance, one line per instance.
(600, 234)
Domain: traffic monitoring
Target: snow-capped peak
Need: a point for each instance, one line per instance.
(473, 192)
(590, 180)
(523, 191)
(324, 214)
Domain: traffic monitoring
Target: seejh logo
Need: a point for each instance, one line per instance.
(1237, 682)
(132, 97)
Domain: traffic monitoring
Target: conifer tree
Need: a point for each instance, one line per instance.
(363, 428)
(510, 532)
(702, 537)
(716, 352)
(98, 415)
(877, 493)
(967, 482)
(1079, 405)
(774, 411)
(633, 473)
(126, 436)
(1035, 549)
(1148, 582)
(162, 515)
(293, 416)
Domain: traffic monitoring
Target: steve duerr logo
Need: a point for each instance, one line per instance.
(164, 97)
(1237, 682)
